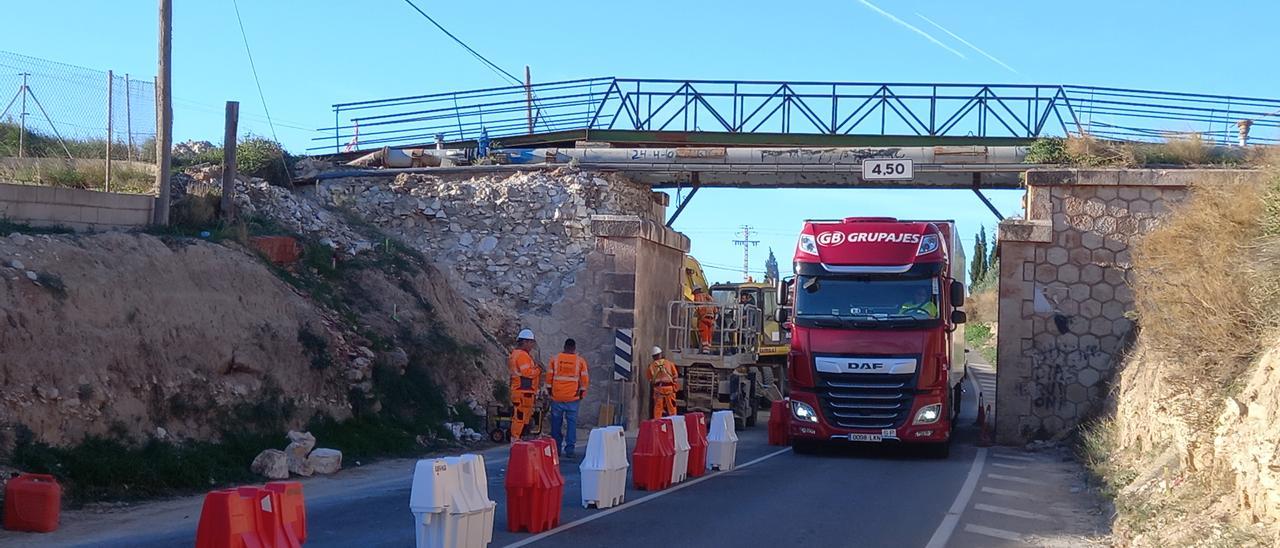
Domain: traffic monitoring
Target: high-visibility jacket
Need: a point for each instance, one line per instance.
(927, 308)
(663, 376)
(567, 376)
(705, 312)
(524, 372)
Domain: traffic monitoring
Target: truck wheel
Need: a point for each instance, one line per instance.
(957, 396)
(752, 410)
(751, 419)
(940, 451)
(805, 447)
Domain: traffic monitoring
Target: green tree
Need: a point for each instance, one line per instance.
(978, 264)
(771, 267)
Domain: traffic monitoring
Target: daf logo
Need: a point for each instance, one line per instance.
(831, 238)
(866, 366)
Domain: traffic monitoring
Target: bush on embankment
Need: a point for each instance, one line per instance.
(1188, 449)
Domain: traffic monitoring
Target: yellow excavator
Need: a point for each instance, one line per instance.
(743, 368)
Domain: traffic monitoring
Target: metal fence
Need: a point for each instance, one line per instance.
(71, 126)
(802, 108)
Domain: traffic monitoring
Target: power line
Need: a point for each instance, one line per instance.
(499, 70)
(254, 68)
(746, 242)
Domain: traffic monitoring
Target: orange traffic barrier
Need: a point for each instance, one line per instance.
(780, 422)
(32, 503)
(654, 455)
(293, 509)
(535, 488)
(228, 520)
(696, 423)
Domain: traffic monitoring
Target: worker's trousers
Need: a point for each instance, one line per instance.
(664, 404)
(565, 412)
(705, 326)
(522, 401)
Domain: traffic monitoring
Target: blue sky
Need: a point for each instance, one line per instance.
(313, 53)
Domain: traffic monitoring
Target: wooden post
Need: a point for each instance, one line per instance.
(229, 160)
(106, 183)
(528, 97)
(164, 114)
(128, 119)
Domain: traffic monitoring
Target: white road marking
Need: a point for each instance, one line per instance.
(1009, 466)
(1009, 493)
(1011, 512)
(948, 526)
(1017, 479)
(640, 501)
(993, 532)
(1013, 457)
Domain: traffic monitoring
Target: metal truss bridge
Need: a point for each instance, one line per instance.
(649, 112)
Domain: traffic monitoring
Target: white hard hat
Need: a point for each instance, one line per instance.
(656, 351)
(525, 335)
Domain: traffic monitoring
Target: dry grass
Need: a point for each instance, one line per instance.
(983, 306)
(1204, 281)
(1189, 149)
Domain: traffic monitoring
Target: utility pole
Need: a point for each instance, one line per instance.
(746, 242)
(164, 114)
(229, 160)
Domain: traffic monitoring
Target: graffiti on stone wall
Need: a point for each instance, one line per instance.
(1056, 368)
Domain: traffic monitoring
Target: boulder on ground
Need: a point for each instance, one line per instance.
(300, 444)
(325, 461)
(271, 464)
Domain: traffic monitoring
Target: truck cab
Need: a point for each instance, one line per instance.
(877, 350)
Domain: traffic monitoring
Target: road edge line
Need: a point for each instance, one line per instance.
(639, 501)
(948, 526)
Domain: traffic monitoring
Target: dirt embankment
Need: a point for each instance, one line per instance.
(1191, 451)
(133, 336)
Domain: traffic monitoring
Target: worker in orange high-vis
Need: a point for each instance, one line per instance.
(525, 376)
(567, 381)
(664, 379)
(706, 315)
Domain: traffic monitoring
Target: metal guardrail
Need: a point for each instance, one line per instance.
(735, 331)
(1025, 111)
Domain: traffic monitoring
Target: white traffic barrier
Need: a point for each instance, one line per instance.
(604, 468)
(467, 505)
(680, 471)
(722, 442)
(429, 499)
(481, 480)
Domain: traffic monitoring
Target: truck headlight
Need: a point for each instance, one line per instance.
(928, 414)
(803, 412)
(808, 244)
(928, 244)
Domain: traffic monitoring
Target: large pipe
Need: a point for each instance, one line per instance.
(766, 155)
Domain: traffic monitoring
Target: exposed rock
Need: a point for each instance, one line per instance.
(325, 461)
(300, 444)
(16, 264)
(271, 464)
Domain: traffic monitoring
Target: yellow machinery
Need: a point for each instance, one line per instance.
(743, 368)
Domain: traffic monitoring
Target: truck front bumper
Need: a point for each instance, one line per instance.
(821, 430)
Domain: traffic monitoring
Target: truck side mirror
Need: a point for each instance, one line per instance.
(784, 290)
(958, 317)
(957, 293)
(781, 315)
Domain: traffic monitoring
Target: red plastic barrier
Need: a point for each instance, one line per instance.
(654, 456)
(32, 503)
(228, 519)
(780, 422)
(535, 488)
(552, 481)
(696, 424)
(293, 509)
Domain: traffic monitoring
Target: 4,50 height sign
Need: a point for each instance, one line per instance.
(890, 169)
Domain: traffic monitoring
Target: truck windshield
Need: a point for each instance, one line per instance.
(873, 300)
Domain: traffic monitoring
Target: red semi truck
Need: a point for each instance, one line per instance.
(877, 347)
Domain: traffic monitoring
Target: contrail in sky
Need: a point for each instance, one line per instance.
(912, 28)
(966, 42)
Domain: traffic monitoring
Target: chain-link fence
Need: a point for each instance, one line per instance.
(60, 123)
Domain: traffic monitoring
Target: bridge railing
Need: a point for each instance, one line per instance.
(812, 108)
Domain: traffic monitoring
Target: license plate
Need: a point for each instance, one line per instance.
(865, 437)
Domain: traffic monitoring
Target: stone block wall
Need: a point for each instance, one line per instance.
(74, 208)
(1065, 294)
